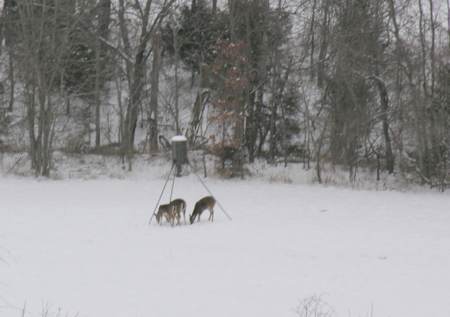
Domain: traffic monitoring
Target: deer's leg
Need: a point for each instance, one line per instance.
(169, 218)
(211, 215)
(174, 215)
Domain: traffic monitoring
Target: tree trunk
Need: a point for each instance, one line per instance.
(323, 45)
(318, 153)
(384, 100)
(97, 98)
(12, 80)
(233, 18)
(448, 22)
(214, 7)
(421, 115)
(154, 93)
(133, 105)
(432, 113)
(313, 40)
(7, 33)
(250, 126)
(104, 19)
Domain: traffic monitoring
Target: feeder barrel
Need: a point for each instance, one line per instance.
(179, 149)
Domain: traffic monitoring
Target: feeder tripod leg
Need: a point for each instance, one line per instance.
(173, 184)
(207, 189)
(162, 192)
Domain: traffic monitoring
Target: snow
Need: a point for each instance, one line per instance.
(84, 247)
(179, 138)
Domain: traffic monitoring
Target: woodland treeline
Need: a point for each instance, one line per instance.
(351, 83)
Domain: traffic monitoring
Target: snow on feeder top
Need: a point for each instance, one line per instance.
(179, 150)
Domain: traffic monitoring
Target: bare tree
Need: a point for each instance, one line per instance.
(43, 39)
(138, 50)
(8, 25)
(156, 65)
(101, 53)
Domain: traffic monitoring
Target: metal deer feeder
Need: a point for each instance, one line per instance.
(179, 152)
(180, 158)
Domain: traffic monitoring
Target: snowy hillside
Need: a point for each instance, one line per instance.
(83, 248)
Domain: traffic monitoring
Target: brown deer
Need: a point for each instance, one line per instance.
(166, 211)
(179, 207)
(207, 202)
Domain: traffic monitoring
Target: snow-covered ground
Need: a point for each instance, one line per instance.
(84, 248)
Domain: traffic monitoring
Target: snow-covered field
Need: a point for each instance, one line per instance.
(84, 248)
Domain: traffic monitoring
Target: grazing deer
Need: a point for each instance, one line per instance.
(166, 211)
(207, 202)
(179, 207)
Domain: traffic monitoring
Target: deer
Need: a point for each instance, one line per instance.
(207, 202)
(179, 207)
(166, 211)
